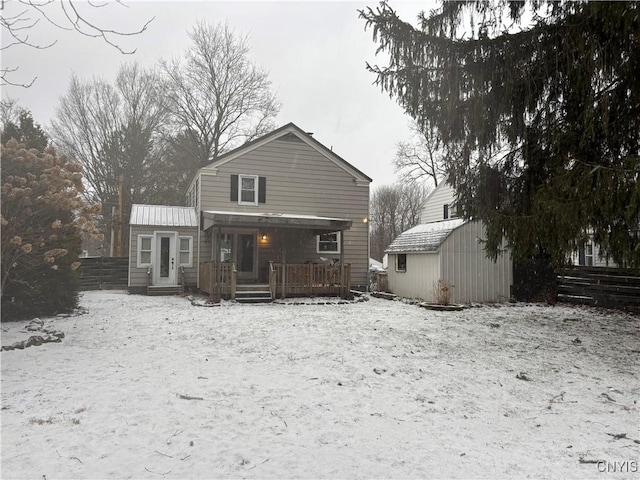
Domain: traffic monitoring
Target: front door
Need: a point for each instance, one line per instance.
(165, 261)
(241, 248)
(246, 256)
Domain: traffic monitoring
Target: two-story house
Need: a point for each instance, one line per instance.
(446, 252)
(283, 214)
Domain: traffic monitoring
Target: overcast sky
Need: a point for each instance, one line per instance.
(315, 53)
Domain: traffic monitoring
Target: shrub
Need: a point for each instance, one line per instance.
(43, 216)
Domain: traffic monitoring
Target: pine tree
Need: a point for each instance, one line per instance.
(545, 116)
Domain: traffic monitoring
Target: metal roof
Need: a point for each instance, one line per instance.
(283, 220)
(163, 216)
(426, 237)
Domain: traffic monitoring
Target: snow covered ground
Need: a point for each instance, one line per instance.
(156, 387)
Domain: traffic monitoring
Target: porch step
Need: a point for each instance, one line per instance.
(165, 290)
(253, 293)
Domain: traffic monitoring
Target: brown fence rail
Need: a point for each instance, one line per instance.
(312, 280)
(104, 273)
(599, 286)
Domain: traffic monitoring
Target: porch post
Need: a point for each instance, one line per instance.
(216, 271)
(342, 276)
(283, 258)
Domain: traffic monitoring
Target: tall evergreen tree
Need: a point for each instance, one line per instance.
(544, 112)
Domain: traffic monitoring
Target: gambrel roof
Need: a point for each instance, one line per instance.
(288, 131)
(424, 238)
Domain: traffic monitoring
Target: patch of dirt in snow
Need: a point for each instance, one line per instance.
(155, 387)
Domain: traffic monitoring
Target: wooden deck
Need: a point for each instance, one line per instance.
(285, 280)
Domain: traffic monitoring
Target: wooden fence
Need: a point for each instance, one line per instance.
(104, 273)
(599, 286)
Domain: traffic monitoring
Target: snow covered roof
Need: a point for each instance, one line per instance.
(426, 237)
(163, 216)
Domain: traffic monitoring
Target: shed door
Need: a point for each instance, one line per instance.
(165, 265)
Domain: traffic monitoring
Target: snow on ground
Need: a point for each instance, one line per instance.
(156, 387)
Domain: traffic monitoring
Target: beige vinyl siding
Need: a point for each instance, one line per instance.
(420, 278)
(300, 180)
(433, 207)
(138, 276)
(464, 264)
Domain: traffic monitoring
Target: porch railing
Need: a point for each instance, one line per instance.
(219, 280)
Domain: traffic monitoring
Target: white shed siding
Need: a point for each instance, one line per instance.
(420, 278)
(464, 265)
(433, 207)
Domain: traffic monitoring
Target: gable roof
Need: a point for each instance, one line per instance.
(285, 131)
(163, 216)
(426, 237)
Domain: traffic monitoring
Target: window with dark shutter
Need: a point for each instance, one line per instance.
(446, 211)
(262, 190)
(234, 188)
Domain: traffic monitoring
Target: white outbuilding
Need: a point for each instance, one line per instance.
(444, 256)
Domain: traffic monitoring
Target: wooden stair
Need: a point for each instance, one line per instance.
(253, 293)
(165, 290)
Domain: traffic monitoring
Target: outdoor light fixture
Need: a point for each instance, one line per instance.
(264, 238)
(365, 220)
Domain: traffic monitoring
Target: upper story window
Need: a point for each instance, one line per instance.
(585, 254)
(248, 189)
(451, 210)
(328, 243)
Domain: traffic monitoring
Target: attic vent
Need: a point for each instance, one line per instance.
(290, 137)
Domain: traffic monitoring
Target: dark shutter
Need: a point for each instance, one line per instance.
(262, 189)
(446, 211)
(234, 188)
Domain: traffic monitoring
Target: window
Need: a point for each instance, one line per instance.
(401, 262)
(226, 242)
(144, 250)
(185, 252)
(585, 254)
(248, 188)
(329, 243)
(445, 213)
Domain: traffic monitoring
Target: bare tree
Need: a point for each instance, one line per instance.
(113, 131)
(20, 18)
(9, 111)
(218, 97)
(394, 209)
(421, 158)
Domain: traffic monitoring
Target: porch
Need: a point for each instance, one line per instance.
(220, 280)
(287, 254)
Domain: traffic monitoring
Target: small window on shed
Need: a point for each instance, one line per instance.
(185, 251)
(401, 262)
(144, 250)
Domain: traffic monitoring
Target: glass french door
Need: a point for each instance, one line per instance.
(165, 262)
